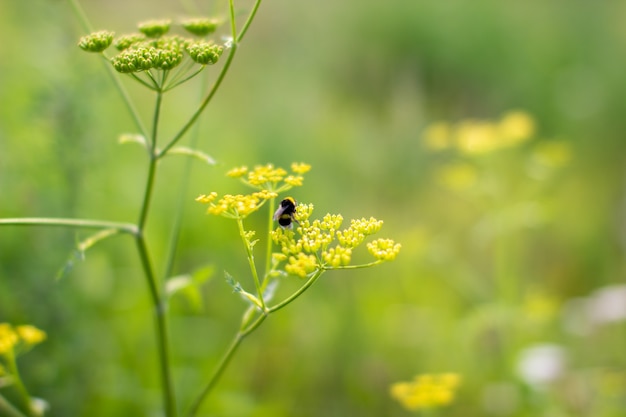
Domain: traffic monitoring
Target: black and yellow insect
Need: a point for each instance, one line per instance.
(285, 213)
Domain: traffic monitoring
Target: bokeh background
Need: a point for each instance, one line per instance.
(512, 268)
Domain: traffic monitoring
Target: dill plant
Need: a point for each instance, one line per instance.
(160, 60)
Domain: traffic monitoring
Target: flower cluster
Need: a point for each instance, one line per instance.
(235, 206)
(426, 391)
(19, 338)
(269, 177)
(151, 48)
(322, 245)
(476, 137)
(96, 42)
(471, 139)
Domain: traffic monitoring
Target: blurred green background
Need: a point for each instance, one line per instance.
(512, 252)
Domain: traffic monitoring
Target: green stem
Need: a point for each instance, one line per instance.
(247, 23)
(367, 265)
(250, 256)
(63, 222)
(17, 381)
(298, 293)
(202, 106)
(180, 208)
(7, 409)
(268, 250)
(160, 311)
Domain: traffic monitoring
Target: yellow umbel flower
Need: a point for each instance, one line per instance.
(426, 391)
(30, 334)
(8, 338)
(384, 249)
(235, 206)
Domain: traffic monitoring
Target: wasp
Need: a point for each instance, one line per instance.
(285, 213)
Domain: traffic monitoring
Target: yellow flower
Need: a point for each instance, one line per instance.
(516, 127)
(236, 206)
(237, 172)
(301, 265)
(337, 256)
(300, 168)
(426, 391)
(264, 174)
(295, 181)
(8, 338)
(384, 249)
(476, 137)
(30, 334)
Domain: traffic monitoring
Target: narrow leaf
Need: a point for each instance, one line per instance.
(183, 150)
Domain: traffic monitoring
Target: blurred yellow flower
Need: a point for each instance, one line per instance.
(30, 334)
(516, 127)
(300, 168)
(476, 137)
(426, 391)
(8, 338)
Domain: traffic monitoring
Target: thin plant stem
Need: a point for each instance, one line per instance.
(268, 250)
(17, 381)
(180, 207)
(82, 18)
(298, 293)
(7, 409)
(248, 21)
(64, 222)
(202, 105)
(160, 311)
(251, 263)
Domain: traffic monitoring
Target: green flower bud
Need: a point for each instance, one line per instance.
(200, 26)
(135, 60)
(167, 59)
(126, 41)
(155, 28)
(96, 42)
(205, 53)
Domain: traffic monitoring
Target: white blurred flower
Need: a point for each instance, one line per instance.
(605, 305)
(541, 364)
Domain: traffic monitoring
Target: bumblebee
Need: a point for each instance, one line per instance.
(285, 213)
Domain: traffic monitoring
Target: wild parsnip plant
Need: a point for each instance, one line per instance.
(161, 60)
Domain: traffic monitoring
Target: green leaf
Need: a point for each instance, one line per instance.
(183, 150)
(244, 294)
(132, 138)
(81, 247)
(188, 286)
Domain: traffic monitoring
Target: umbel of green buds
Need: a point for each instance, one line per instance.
(96, 42)
(200, 26)
(155, 28)
(205, 53)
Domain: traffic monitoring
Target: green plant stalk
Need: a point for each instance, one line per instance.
(8, 410)
(268, 250)
(250, 256)
(160, 313)
(180, 207)
(220, 77)
(159, 304)
(243, 332)
(64, 222)
(17, 381)
(298, 293)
